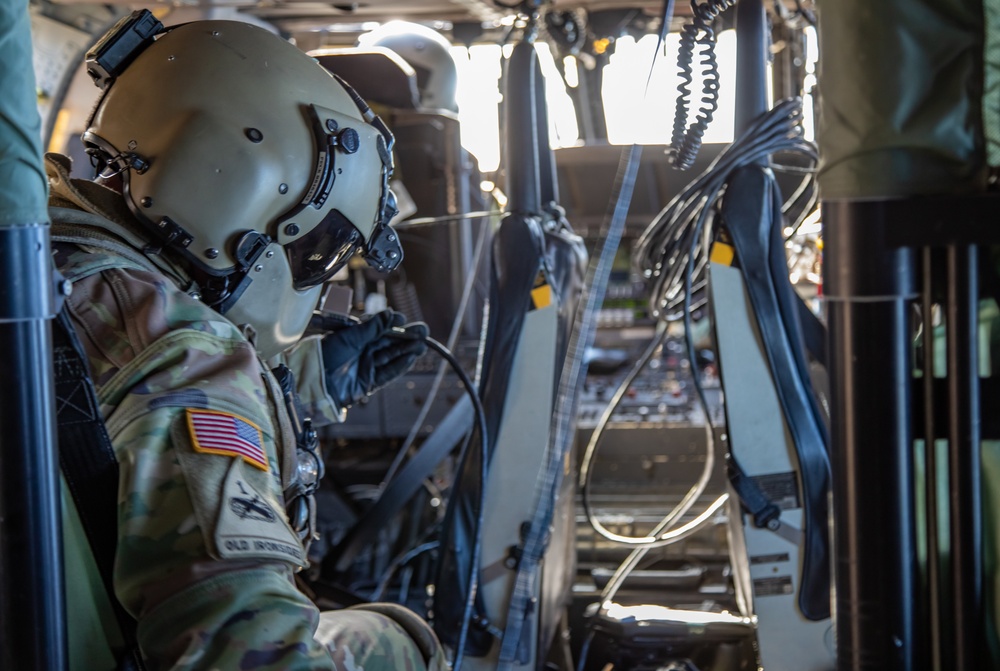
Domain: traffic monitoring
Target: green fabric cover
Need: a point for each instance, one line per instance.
(23, 187)
(92, 636)
(991, 78)
(901, 85)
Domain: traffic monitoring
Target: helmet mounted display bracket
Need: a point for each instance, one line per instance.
(119, 46)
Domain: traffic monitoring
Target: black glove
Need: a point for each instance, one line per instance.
(361, 356)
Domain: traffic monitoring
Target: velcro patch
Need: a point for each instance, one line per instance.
(251, 526)
(214, 432)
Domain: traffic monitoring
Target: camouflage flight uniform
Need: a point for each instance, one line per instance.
(206, 555)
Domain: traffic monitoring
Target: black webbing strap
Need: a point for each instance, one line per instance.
(813, 331)
(752, 213)
(397, 493)
(89, 466)
(764, 512)
(518, 249)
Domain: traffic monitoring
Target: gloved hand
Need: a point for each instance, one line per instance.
(361, 356)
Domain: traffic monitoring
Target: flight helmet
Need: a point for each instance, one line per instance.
(247, 161)
(428, 53)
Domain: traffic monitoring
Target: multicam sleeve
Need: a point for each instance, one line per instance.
(196, 610)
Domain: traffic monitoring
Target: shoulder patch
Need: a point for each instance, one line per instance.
(230, 435)
(250, 525)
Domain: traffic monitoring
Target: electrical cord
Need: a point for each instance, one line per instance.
(678, 239)
(477, 542)
(655, 538)
(657, 534)
(677, 235)
(399, 562)
(673, 252)
(456, 329)
(590, 454)
(685, 140)
(581, 663)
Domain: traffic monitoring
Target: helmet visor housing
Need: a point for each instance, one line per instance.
(316, 256)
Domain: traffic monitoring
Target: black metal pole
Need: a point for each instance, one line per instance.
(32, 617)
(31, 578)
(869, 288)
(751, 63)
(964, 473)
(937, 647)
(521, 131)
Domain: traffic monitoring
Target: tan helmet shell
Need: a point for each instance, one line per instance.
(223, 114)
(187, 105)
(428, 53)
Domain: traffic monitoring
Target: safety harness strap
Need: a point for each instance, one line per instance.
(398, 491)
(751, 211)
(89, 466)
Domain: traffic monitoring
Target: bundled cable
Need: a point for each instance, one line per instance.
(673, 250)
(685, 140)
(672, 254)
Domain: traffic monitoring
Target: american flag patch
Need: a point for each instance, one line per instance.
(229, 435)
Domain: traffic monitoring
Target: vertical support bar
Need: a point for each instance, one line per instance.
(31, 578)
(32, 618)
(937, 647)
(751, 63)
(965, 517)
(869, 289)
(521, 162)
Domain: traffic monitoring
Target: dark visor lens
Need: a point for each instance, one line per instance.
(317, 255)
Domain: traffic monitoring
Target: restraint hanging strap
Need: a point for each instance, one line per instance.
(89, 466)
(751, 211)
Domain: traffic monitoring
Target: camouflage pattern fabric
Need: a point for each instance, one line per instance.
(206, 556)
(362, 639)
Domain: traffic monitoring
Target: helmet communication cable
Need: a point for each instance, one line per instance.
(685, 141)
(477, 542)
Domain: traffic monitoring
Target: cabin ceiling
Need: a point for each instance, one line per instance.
(339, 23)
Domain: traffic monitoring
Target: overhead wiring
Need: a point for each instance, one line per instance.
(672, 252)
(686, 138)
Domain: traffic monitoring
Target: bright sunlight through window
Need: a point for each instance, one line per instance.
(633, 114)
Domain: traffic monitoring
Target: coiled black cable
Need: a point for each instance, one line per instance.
(685, 140)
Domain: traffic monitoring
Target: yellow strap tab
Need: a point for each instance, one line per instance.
(722, 254)
(541, 294)
(541, 297)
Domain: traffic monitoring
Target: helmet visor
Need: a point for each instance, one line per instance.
(319, 254)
